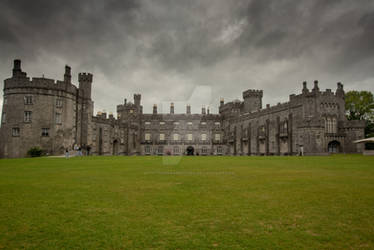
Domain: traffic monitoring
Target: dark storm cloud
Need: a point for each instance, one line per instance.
(165, 48)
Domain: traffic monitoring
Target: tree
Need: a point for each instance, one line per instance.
(359, 105)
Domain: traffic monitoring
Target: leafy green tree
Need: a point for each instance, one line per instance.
(359, 105)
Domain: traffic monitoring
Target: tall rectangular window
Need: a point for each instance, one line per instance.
(27, 116)
(28, 99)
(162, 137)
(45, 132)
(217, 137)
(58, 118)
(203, 137)
(3, 118)
(147, 149)
(189, 137)
(15, 132)
(5, 102)
(58, 102)
(176, 137)
(147, 137)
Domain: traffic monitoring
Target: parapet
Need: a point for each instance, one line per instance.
(85, 77)
(252, 93)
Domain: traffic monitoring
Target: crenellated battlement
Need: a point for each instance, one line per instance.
(39, 83)
(252, 93)
(85, 77)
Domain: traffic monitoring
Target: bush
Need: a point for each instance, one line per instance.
(35, 152)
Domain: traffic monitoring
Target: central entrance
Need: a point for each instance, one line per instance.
(190, 150)
(333, 147)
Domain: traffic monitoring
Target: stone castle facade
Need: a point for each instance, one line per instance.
(56, 115)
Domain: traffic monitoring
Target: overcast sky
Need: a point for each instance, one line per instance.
(170, 50)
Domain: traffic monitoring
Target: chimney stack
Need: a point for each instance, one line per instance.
(188, 111)
(172, 108)
(154, 109)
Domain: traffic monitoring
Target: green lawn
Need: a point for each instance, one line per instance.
(189, 202)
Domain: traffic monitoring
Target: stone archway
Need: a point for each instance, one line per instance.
(333, 147)
(190, 150)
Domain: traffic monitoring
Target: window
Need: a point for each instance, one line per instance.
(160, 150)
(15, 131)
(5, 102)
(217, 124)
(58, 118)
(189, 123)
(219, 150)
(147, 137)
(217, 137)
(333, 130)
(131, 111)
(204, 150)
(3, 118)
(162, 137)
(203, 123)
(203, 137)
(147, 149)
(176, 123)
(162, 123)
(27, 116)
(59, 103)
(176, 150)
(189, 137)
(176, 137)
(28, 99)
(45, 132)
(331, 125)
(147, 123)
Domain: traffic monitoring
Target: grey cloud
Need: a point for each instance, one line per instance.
(165, 48)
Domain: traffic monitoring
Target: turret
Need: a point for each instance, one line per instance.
(316, 88)
(252, 100)
(85, 84)
(203, 111)
(305, 88)
(67, 75)
(340, 90)
(137, 98)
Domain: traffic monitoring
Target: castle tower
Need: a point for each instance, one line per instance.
(85, 84)
(252, 100)
(84, 110)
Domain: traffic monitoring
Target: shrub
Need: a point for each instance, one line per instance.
(35, 152)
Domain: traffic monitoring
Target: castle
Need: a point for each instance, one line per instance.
(56, 115)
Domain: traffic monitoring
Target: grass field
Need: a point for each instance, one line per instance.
(189, 202)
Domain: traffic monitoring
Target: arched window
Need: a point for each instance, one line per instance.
(334, 128)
